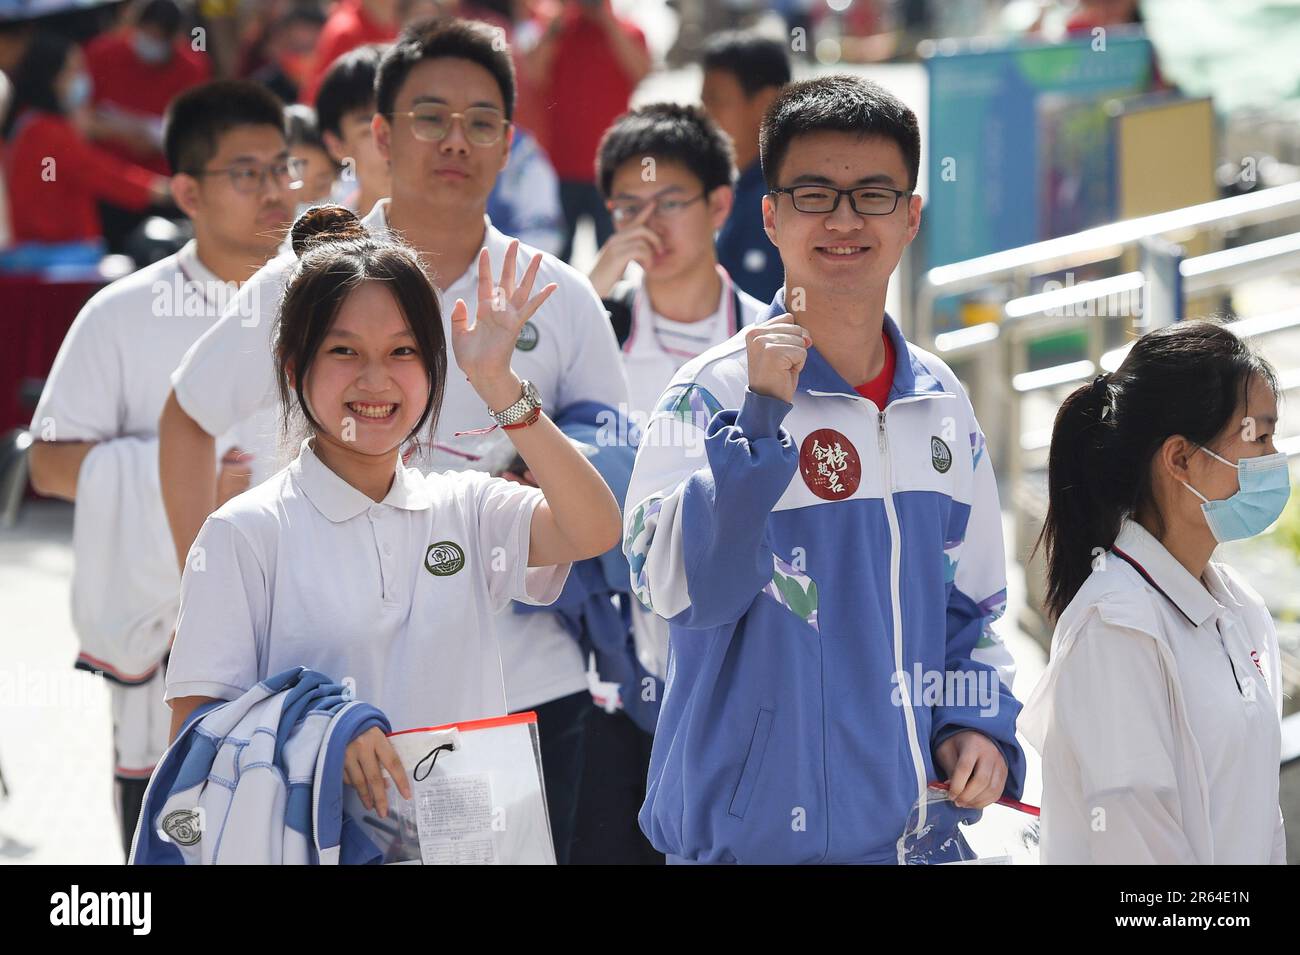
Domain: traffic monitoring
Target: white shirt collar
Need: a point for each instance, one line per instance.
(719, 307)
(195, 271)
(645, 340)
(376, 220)
(203, 282)
(339, 501)
(1221, 588)
(494, 240)
(1163, 571)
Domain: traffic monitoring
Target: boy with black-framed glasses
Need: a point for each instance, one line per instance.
(830, 563)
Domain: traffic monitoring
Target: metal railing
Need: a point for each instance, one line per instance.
(993, 357)
(1019, 266)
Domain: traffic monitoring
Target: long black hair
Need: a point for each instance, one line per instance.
(335, 255)
(46, 55)
(1187, 379)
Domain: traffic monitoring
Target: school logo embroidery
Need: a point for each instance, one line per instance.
(940, 456)
(830, 464)
(182, 826)
(528, 336)
(444, 558)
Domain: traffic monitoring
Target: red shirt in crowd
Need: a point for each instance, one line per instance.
(55, 178)
(127, 83)
(587, 91)
(349, 26)
(877, 389)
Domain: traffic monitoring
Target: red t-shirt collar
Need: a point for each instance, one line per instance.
(877, 389)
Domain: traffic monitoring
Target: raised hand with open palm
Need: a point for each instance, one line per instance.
(483, 350)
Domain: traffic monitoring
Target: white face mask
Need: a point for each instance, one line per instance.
(1263, 488)
(150, 49)
(77, 93)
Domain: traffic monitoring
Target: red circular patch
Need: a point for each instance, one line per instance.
(830, 464)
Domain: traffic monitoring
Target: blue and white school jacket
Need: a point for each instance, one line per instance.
(830, 571)
(258, 780)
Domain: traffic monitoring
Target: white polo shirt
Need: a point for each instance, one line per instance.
(108, 385)
(110, 378)
(656, 347)
(403, 596)
(1158, 717)
(567, 350)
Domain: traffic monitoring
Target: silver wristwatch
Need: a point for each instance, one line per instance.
(521, 410)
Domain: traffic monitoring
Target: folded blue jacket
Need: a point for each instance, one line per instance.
(259, 780)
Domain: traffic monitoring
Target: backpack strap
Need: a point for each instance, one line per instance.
(735, 307)
(619, 306)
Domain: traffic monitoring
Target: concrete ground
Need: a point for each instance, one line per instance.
(55, 731)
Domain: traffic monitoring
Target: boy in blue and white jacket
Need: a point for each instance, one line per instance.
(829, 555)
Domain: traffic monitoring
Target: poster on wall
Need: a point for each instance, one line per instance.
(1015, 133)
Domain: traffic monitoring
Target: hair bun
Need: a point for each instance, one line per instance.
(325, 223)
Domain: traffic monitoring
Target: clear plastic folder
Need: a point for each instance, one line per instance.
(479, 797)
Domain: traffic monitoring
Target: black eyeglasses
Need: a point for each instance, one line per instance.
(865, 200)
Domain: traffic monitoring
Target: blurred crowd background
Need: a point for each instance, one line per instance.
(110, 68)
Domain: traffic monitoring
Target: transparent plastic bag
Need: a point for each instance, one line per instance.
(479, 797)
(939, 832)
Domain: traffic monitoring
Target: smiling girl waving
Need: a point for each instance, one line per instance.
(352, 564)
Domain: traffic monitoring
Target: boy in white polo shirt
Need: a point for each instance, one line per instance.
(444, 95)
(96, 423)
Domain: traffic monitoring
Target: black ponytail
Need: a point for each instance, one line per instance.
(1082, 505)
(1187, 379)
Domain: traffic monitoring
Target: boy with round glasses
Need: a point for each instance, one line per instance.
(666, 173)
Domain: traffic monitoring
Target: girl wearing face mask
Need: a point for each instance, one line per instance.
(55, 177)
(1158, 715)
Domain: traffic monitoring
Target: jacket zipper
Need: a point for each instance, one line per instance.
(895, 594)
(896, 613)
